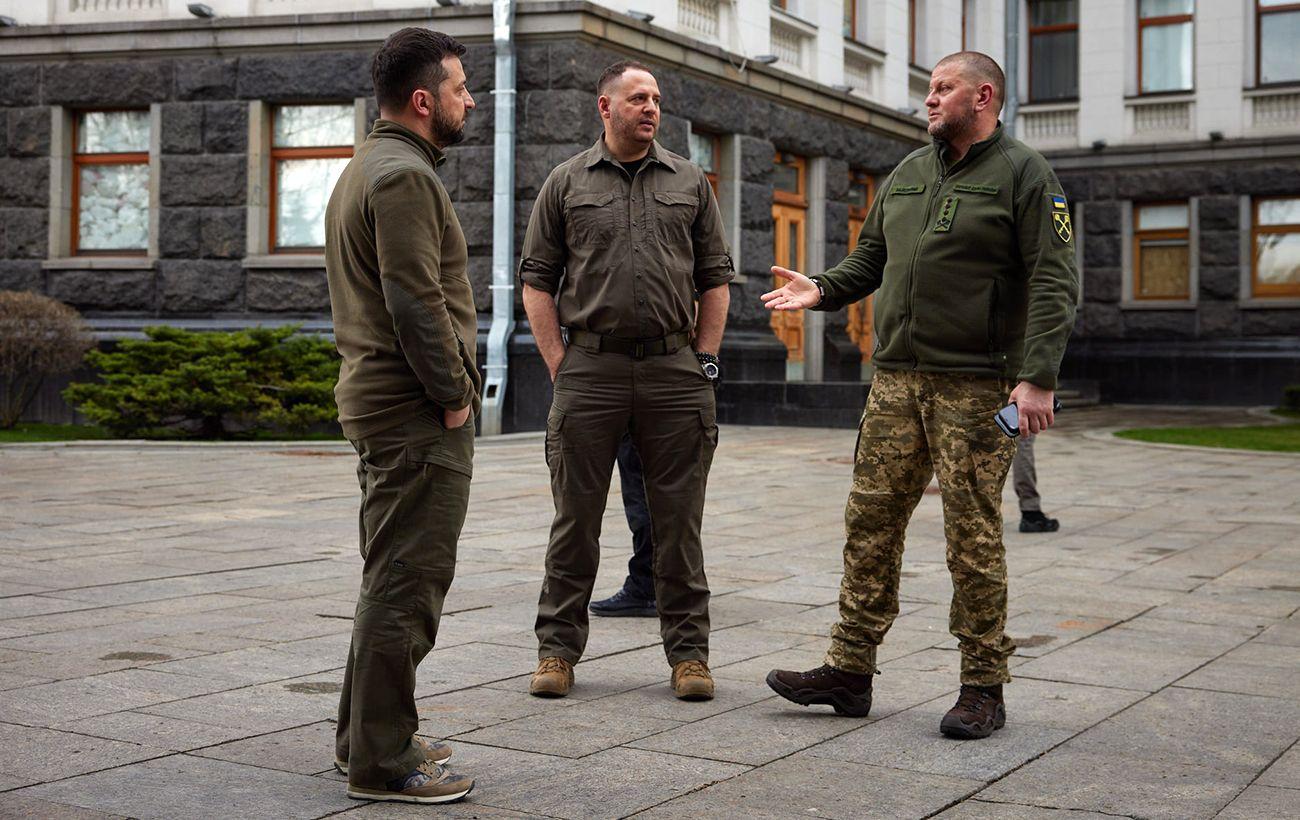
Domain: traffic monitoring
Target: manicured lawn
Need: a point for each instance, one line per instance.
(1282, 438)
(51, 432)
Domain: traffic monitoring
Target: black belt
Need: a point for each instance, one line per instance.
(636, 348)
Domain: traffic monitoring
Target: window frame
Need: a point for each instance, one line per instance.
(1156, 22)
(1139, 235)
(1260, 12)
(1055, 28)
(1270, 291)
(715, 144)
(852, 8)
(79, 160)
(276, 155)
(911, 32)
(797, 198)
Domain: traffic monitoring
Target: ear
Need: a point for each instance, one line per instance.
(984, 96)
(422, 102)
(603, 104)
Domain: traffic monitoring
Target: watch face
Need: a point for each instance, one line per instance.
(710, 370)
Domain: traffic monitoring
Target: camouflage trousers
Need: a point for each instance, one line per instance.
(917, 425)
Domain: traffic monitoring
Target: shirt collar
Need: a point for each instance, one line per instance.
(941, 147)
(387, 129)
(600, 153)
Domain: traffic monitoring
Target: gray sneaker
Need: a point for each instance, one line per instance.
(428, 783)
(433, 750)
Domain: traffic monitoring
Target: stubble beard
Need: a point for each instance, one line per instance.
(627, 129)
(956, 125)
(446, 132)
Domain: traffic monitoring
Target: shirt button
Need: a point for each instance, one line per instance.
(638, 276)
(642, 301)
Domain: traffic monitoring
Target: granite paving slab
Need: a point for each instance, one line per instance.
(1263, 802)
(1285, 771)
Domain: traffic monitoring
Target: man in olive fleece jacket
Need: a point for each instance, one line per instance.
(405, 323)
(969, 250)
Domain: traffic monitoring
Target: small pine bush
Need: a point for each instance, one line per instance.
(211, 385)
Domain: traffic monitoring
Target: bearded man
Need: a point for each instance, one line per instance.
(624, 239)
(969, 250)
(405, 324)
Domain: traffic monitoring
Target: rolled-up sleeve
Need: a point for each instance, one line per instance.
(542, 258)
(713, 266)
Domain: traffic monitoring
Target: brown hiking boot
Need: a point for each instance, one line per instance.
(849, 693)
(553, 678)
(433, 750)
(692, 681)
(428, 783)
(978, 712)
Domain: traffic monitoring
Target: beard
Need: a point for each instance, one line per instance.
(954, 125)
(626, 129)
(445, 131)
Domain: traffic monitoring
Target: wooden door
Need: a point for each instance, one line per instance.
(789, 232)
(861, 191)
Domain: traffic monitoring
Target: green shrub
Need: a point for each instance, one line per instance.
(1291, 397)
(179, 383)
(39, 337)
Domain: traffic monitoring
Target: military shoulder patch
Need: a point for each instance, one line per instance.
(906, 189)
(975, 189)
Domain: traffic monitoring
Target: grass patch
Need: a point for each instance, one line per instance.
(1277, 438)
(26, 432)
(51, 432)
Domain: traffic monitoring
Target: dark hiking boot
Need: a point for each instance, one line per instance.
(849, 693)
(625, 605)
(429, 783)
(978, 712)
(1035, 521)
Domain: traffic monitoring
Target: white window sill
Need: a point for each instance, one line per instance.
(282, 261)
(1264, 302)
(100, 263)
(1157, 304)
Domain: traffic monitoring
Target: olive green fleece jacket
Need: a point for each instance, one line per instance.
(972, 265)
(404, 316)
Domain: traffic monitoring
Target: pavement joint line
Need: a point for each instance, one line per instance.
(171, 577)
(1049, 808)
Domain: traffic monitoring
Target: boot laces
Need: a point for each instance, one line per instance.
(972, 699)
(815, 673)
(693, 668)
(432, 770)
(552, 665)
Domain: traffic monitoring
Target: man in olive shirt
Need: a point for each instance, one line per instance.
(970, 252)
(623, 239)
(405, 324)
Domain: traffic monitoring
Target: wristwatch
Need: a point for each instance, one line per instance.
(821, 291)
(709, 364)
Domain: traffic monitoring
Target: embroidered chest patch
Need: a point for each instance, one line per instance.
(947, 212)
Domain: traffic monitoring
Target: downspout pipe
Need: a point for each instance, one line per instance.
(1012, 105)
(503, 220)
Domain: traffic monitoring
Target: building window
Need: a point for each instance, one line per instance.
(965, 24)
(110, 183)
(1161, 251)
(1164, 45)
(706, 152)
(310, 146)
(1277, 31)
(1276, 239)
(911, 31)
(851, 19)
(1053, 50)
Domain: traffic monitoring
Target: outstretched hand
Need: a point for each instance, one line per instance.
(798, 292)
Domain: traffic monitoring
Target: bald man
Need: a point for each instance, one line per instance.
(969, 250)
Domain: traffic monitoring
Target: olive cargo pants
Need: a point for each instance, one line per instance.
(666, 403)
(414, 491)
(916, 425)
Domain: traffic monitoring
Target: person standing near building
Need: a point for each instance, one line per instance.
(623, 240)
(1024, 479)
(406, 327)
(969, 251)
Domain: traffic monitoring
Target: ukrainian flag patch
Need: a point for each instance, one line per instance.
(1058, 202)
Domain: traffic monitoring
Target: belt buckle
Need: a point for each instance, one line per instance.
(638, 350)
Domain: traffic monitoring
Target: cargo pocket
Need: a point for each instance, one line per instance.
(402, 586)
(588, 222)
(554, 460)
(708, 438)
(674, 215)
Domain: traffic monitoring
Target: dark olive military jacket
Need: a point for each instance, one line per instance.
(403, 308)
(626, 256)
(972, 264)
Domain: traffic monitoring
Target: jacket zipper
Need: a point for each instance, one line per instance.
(911, 288)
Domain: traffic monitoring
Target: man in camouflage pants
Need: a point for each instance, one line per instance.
(968, 249)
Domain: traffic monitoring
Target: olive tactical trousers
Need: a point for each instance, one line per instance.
(414, 491)
(917, 425)
(666, 403)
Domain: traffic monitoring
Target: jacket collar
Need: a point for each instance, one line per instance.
(599, 152)
(941, 149)
(387, 129)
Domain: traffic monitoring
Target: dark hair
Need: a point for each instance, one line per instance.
(982, 68)
(410, 58)
(613, 72)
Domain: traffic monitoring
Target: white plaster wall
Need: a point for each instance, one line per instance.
(1103, 69)
(1219, 46)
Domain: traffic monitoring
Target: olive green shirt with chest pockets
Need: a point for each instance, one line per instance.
(972, 264)
(626, 255)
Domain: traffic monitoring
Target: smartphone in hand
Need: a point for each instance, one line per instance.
(1008, 418)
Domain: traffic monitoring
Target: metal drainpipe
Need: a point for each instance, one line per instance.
(1012, 105)
(503, 220)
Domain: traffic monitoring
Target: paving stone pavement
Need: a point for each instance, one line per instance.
(173, 623)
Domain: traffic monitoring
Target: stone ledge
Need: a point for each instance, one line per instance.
(101, 263)
(285, 261)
